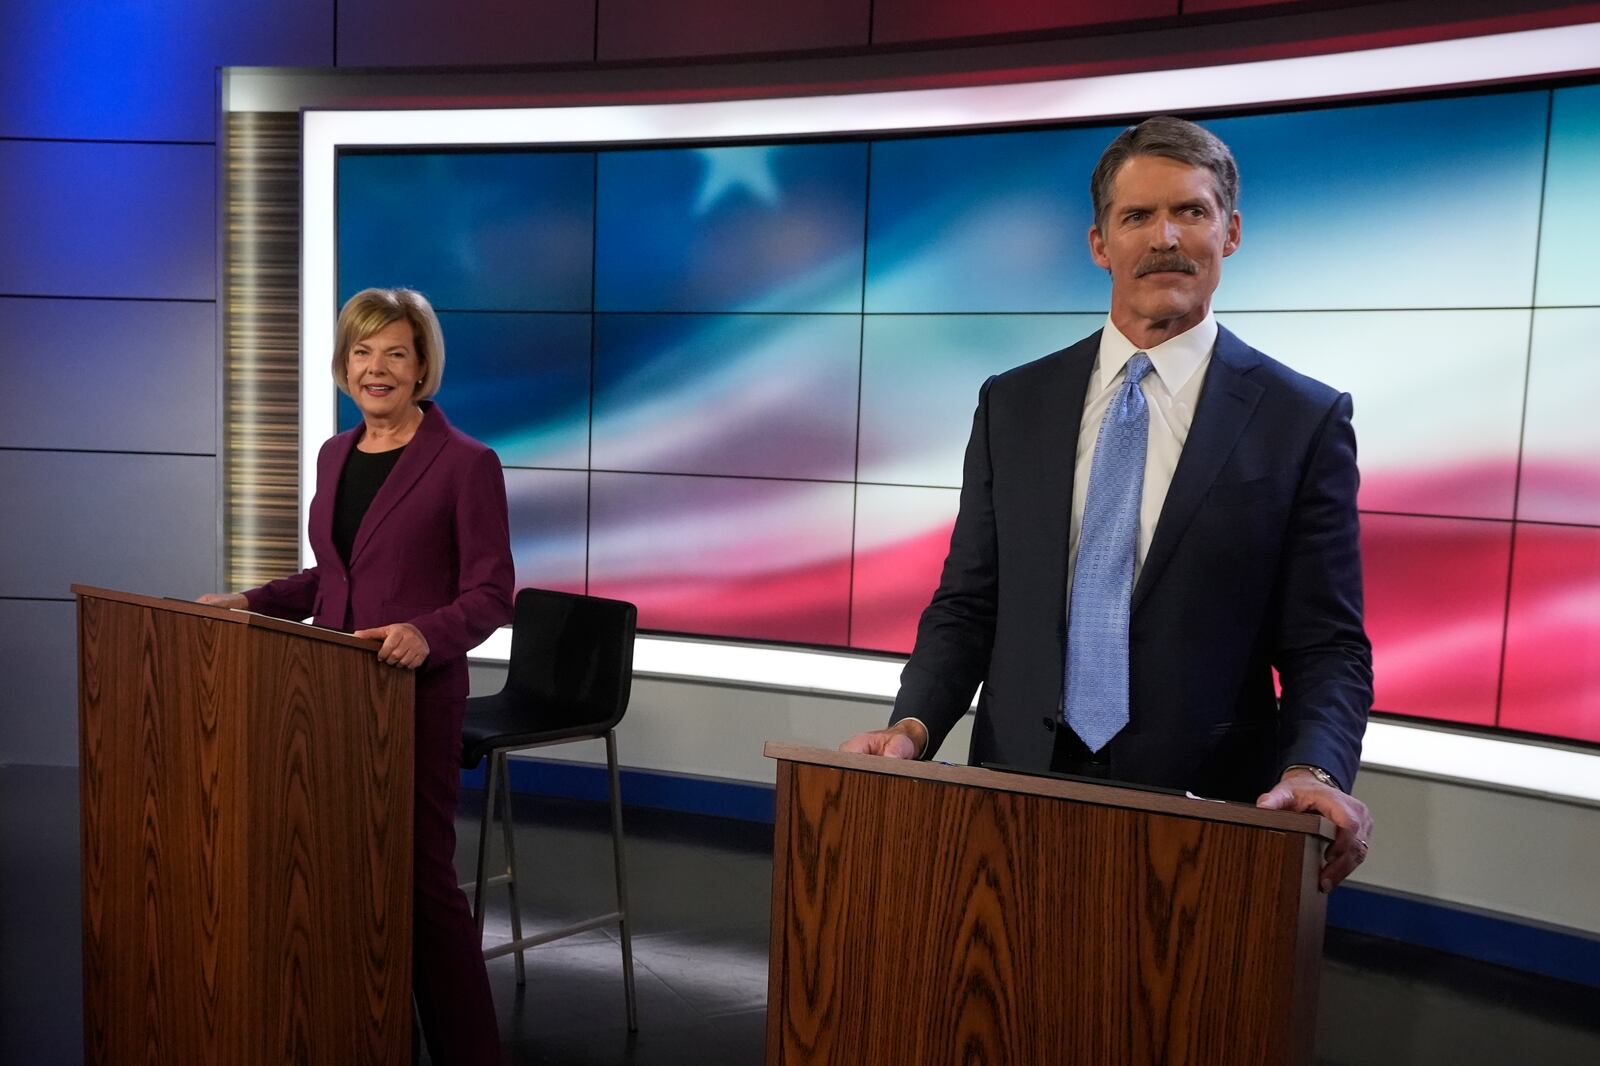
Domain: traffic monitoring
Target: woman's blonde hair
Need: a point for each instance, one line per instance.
(370, 310)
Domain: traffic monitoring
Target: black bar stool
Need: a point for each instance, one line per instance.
(569, 679)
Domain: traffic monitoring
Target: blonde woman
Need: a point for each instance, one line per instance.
(413, 548)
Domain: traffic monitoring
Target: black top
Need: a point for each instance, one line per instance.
(359, 482)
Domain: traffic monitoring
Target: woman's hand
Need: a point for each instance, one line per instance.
(403, 644)
(233, 600)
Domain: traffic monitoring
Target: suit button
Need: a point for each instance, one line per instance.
(1049, 723)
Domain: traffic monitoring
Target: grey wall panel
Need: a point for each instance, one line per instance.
(141, 522)
(142, 70)
(114, 375)
(419, 33)
(108, 220)
(39, 701)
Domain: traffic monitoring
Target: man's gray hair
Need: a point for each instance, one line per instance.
(1171, 138)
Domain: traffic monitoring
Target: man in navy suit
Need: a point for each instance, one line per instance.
(1125, 613)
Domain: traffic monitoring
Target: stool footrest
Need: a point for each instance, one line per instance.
(552, 934)
(498, 879)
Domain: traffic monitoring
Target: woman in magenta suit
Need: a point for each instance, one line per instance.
(413, 548)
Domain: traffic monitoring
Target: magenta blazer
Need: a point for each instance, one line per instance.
(434, 550)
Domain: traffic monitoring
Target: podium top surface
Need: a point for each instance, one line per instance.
(1107, 795)
(226, 614)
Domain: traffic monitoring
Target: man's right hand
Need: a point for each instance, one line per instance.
(232, 600)
(903, 740)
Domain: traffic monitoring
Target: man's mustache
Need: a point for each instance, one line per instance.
(1162, 261)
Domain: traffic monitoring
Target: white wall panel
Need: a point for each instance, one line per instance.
(1518, 855)
(718, 730)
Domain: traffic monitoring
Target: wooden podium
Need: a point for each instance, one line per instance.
(929, 914)
(246, 831)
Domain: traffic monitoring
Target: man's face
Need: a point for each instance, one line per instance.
(1164, 240)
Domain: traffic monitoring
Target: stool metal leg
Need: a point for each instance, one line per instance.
(481, 884)
(508, 836)
(622, 880)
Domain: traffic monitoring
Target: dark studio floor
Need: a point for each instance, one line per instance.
(700, 897)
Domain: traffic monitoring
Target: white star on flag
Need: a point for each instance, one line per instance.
(731, 169)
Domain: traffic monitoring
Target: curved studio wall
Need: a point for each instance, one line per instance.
(732, 382)
(1469, 820)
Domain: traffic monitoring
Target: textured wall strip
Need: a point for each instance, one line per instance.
(261, 315)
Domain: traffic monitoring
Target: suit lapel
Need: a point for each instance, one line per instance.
(330, 465)
(1226, 404)
(1060, 412)
(419, 455)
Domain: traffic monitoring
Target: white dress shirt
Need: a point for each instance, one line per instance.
(1171, 394)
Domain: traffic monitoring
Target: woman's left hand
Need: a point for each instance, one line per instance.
(403, 644)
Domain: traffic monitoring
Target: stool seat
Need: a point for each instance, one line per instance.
(505, 720)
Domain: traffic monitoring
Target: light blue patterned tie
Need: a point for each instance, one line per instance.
(1102, 585)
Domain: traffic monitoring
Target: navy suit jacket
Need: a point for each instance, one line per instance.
(434, 549)
(1254, 565)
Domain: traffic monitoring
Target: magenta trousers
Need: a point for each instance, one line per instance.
(447, 970)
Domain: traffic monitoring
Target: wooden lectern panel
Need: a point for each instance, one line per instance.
(246, 836)
(925, 921)
(333, 807)
(163, 865)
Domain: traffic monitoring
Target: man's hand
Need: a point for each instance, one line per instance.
(232, 600)
(1299, 790)
(403, 644)
(903, 740)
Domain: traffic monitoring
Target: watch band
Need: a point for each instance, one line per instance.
(1317, 772)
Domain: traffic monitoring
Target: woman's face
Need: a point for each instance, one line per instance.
(382, 371)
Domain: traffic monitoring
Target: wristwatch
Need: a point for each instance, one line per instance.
(1317, 772)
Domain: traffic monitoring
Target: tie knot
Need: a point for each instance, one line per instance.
(1138, 367)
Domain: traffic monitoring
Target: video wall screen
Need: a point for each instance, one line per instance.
(734, 384)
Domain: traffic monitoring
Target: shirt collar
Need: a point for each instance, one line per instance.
(1175, 359)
